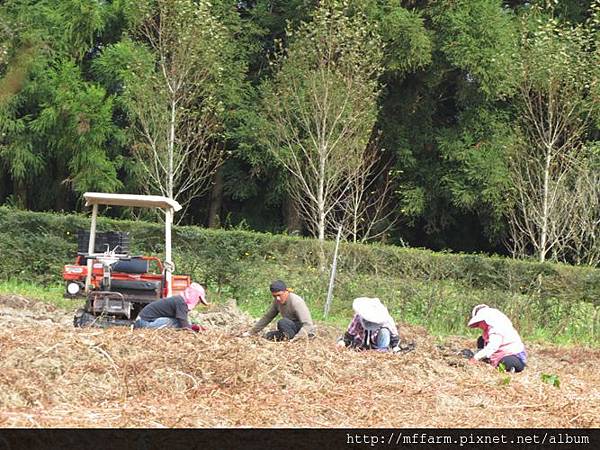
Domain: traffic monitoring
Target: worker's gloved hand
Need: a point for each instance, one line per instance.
(246, 334)
(472, 361)
(340, 343)
(197, 328)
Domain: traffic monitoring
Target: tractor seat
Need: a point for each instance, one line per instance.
(134, 265)
(135, 285)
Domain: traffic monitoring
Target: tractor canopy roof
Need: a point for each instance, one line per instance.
(143, 201)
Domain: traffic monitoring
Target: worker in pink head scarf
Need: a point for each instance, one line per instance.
(500, 343)
(193, 294)
(172, 312)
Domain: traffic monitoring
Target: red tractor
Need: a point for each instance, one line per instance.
(115, 284)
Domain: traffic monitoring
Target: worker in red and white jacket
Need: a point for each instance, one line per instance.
(500, 343)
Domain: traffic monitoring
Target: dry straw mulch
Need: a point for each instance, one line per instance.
(53, 375)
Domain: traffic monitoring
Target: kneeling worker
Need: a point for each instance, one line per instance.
(500, 343)
(372, 327)
(172, 312)
(296, 320)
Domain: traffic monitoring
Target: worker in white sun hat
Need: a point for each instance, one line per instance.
(499, 343)
(372, 327)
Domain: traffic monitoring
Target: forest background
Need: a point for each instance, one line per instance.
(467, 126)
(452, 145)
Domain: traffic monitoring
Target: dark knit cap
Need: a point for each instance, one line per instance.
(277, 286)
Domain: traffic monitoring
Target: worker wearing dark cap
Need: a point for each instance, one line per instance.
(296, 321)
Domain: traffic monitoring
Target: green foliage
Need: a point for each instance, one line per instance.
(87, 20)
(450, 124)
(437, 290)
(407, 42)
(476, 175)
(55, 124)
(79, 118)
(557, 52)
(56, 27)
(550, 379)
(502, 370)
(118, 63)
(480, 38)
(560, 59)
(442, 99)
(51, 294)
(251, 174)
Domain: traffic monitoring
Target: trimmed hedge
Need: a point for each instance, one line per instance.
(36, 245)
(434, 289)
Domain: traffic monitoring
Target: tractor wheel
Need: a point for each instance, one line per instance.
(83, 319)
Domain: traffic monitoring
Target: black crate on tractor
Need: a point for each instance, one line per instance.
(118, 240)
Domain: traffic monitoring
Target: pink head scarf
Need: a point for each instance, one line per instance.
(193, 294)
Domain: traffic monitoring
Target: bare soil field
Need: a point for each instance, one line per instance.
(53, 375)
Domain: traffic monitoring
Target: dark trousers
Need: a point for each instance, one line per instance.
(286, 329)
(512, 362)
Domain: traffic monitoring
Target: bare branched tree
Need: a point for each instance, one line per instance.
(368, 212)
(172, 99)
(321, 107)
(544, 206)
(583, 247)
(558, 68)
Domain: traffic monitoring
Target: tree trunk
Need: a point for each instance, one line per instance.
(216, 201)
(20, 194)
(3, 185)
(61, 202)
(320, 215)
(545, 194)
(321, 212)
(321, 225)
(62, 194)
(355, 214)
(171, 152)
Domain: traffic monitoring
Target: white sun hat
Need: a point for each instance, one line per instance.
(479, 314)
(372, 312)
